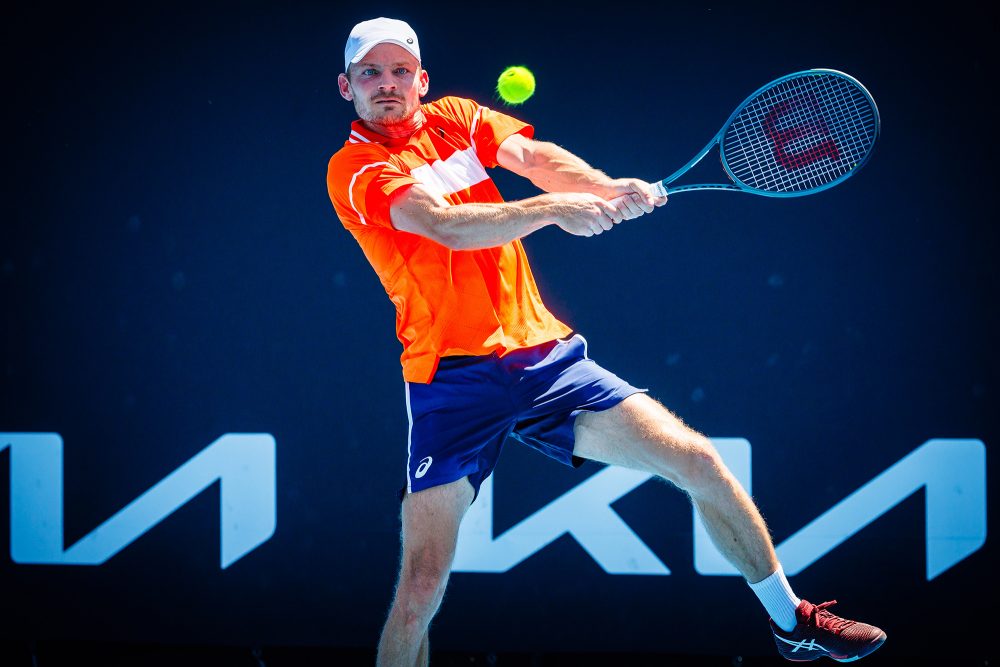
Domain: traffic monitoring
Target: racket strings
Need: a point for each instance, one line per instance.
(800, 134)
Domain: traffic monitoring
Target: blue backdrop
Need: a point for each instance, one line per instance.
(172, 270)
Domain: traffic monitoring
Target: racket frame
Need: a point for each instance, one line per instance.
(662, 188)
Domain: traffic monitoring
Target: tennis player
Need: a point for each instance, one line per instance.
(483, 360)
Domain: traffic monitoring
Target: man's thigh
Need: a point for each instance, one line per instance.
(638, 433)
(430, 523)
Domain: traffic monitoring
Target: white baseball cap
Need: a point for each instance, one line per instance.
(368, 34)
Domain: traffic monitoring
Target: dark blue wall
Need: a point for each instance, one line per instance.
(172, 270)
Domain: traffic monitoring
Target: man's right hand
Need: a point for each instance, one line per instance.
(581, 214)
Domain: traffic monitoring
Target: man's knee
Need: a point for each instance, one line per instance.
(696, 465)
(424, 577)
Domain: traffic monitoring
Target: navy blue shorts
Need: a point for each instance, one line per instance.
(459, 422)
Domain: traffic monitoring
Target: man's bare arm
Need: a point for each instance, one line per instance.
(471, 226)
(554, 169)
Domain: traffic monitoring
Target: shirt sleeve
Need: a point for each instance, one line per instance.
(489, 130)
(486, 128)
(361, 184)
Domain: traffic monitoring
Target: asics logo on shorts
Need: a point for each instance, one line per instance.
(425, 463)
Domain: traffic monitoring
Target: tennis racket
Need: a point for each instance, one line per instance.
(798, 135)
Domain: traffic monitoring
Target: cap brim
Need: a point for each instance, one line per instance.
(364, 51)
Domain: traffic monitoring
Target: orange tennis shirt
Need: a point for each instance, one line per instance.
(448, 302)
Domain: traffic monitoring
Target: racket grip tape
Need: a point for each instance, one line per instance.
(658, 191)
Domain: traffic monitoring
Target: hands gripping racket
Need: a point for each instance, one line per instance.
(798, 135)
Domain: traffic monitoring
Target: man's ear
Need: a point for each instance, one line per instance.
(344, 85)
(424, 82)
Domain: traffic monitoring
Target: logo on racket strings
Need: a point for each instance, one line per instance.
(799, 145)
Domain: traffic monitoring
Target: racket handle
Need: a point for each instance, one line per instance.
(658, 191)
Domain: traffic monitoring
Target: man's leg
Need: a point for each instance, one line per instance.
(641, 434)
(430, 533)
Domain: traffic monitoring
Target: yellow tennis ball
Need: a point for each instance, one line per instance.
(515, 85)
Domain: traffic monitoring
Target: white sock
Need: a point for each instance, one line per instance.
(778, 599)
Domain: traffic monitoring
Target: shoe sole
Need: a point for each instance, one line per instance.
(874, 647)
(871, 648)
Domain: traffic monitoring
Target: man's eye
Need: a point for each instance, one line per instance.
(401, 71)
(368, 72)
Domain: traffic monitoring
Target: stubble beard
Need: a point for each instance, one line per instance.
(386, 118)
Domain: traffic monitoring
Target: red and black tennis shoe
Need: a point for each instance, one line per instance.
(819, 633)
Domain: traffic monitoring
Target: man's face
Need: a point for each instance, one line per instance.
(385, 86)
